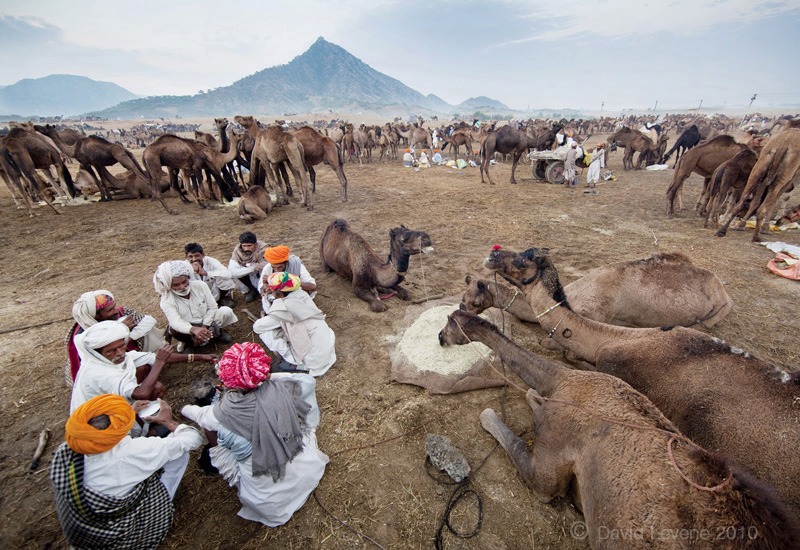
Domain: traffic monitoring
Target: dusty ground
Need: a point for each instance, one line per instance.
(373, 429)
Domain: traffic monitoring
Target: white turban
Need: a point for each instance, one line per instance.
(98, 336)
(162, 280)
(85, 308)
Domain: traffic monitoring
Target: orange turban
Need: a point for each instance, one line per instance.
(87, 440)
(277, 254)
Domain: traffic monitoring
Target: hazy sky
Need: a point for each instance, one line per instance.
(536, 53)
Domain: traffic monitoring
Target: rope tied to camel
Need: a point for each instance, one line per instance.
(548, 310)
(514, 297)
(672, 435)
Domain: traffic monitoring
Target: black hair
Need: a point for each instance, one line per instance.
(193, 248)
(248, 237)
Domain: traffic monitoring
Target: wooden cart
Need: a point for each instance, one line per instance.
(548, 165)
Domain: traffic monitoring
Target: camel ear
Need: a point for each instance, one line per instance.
(481, 286)
(468, 279)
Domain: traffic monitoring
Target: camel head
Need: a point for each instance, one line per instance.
(453, 333)
(477, 297)
(246, 121)
(527, 268)
(404, 242)
(221, 123)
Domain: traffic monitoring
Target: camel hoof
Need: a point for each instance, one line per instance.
(720, 233)
(378, 307)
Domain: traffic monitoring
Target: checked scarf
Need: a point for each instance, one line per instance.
(90, 519)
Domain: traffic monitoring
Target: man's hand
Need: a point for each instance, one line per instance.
(139, 405)
(206, 357)
(129, 322)
(164, 352)
(163, 416)
(198, 268)
(201, 335)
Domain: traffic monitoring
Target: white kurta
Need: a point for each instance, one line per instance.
(217, 277)
(117, 471)
(97, 378)
(199, 308)
(238, 271)
(263, 500)
(322, 340)
(305, 277)
(598, 162)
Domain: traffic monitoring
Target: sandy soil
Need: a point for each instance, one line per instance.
(373, 429)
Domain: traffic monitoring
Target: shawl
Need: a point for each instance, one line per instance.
(293, 311)
(272, 417)
(256, 257)
(90, 519)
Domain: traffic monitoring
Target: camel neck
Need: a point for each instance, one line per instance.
(582, 336)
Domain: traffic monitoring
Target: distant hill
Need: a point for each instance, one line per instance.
(481, 102)
(60, 94)
(325, 77)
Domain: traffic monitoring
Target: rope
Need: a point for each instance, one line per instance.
(422, 268)
(461, 491)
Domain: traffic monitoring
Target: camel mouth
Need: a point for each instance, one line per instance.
(427, 250)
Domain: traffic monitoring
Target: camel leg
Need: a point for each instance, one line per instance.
(369, 295)
(768, 206)
(514, 161)
(546, 481)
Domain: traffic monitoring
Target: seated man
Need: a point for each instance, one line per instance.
(107, 366)
(99, 305)
(262, 434)
(296, 329)
(246, 264)
(280, 259)
(192, 313)
(211, 272)
(408, 159)
(109, 488)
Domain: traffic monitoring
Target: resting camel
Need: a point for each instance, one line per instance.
(721, 397)
(774, 173)
(620, 460)
(274, 146)
(703, 159)
(97, 153)
(688, 139)
(348, 254)
(508, 140)
(660, 290)
(318, 148)
(255, 204)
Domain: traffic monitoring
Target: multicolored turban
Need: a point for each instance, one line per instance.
(87, 306)
(284, 282)
(244, 366)
(85, 439)
(277, 254)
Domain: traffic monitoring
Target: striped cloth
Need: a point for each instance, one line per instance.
(91, 519)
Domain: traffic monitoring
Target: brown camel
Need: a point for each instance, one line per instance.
(614, 454)
(255, 204)
(458, 139)
(660, 290)
(176, 153)
(97, 153)
(22, 152)
(721, 397)
(774, 174)
(275, 146)
(647, 149)
(508, 140)
(727, 183)
(321, 149)
(348, 254)
(620, 139)
(415, 135)
(702, 159)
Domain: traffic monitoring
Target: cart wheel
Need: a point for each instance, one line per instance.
(539, 169)
(555, 173)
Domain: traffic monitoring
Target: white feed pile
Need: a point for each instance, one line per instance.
(420, 345)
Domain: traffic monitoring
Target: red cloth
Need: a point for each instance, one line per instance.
(244, 366)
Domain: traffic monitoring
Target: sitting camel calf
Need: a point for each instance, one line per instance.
(720, 396)
(623, 463)
(255, 204)
(348, 254)
(660, 290)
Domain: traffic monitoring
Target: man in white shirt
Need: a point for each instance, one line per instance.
(212, 272)
(108, 490)
(281, 259)
(192, 313)
(246, 264)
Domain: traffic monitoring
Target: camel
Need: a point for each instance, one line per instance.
(97, 153)
(621, 138)
(727, 183)
(647, 149)
(774, 173)
(606, 446)
(318, 148)
(516, 142)
(688, 139)
(415, 136)
(255, 204)
(24, 151)
(720, 396)
(660, 290)
(348, 254)
(182, 154)
(703, 159)
(456, 140)
(273, 146)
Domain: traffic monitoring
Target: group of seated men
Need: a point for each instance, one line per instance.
(117, 473)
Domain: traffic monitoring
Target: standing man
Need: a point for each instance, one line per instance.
(280, 259)
(246, 264)
(598, 162)
(211, 272)
(570, 169)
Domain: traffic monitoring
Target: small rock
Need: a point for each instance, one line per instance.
(446, 457)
